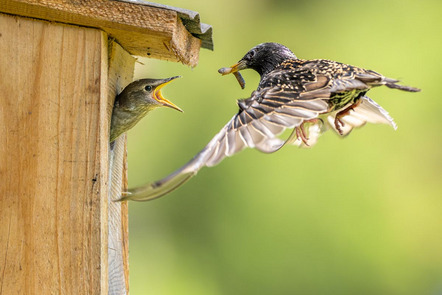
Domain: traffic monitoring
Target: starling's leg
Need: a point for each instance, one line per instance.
(300, 131)
(344, 113)
(300, 134)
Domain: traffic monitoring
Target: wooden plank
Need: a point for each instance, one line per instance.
(121, 69)
(125, 222)
(53, 161)
(139, 29)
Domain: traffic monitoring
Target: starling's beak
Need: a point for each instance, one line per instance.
(159, 97)
(241, 65)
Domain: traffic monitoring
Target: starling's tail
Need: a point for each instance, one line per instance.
(391, 83)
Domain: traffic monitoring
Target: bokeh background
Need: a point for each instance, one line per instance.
(360, 215)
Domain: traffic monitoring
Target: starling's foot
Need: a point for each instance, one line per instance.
(300, 134)
(343, 113)
(300, 131)
(338, 122)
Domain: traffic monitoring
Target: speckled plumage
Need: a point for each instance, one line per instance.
(294, 91)
(339, 83)
(307, 96)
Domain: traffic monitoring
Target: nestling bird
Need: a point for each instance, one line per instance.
(135, 101)
(307, 96)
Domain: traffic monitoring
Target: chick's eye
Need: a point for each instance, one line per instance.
(148, 88)
(251, 54)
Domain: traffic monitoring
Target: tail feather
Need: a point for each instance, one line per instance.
(390, 83)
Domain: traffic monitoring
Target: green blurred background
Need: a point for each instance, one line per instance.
(360, 215)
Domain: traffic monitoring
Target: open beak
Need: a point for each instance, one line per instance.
(160, 98)
(241, 65)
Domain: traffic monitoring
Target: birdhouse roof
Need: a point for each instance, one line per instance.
(142, 28)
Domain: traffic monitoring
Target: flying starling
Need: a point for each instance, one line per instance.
(307, 96)
(135, 101)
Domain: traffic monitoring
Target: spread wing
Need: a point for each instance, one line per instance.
(284, 99)
(260, 119)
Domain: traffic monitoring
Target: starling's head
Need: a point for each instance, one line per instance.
(262, 58)
(146, 94)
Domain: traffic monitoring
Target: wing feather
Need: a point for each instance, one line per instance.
(272, 108)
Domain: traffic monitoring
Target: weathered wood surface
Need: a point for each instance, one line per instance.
(53, 158)
(121, 69)
(139, 29)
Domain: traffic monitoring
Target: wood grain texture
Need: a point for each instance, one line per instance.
(141, 30)
(125, 221)
(121, 69)
(53, 158)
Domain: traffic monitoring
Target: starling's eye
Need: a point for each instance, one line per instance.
(148, 88)
(249, 55)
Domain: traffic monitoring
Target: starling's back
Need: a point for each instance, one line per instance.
(338, 83)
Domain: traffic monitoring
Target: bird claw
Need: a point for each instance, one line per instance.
(300, 131)
(337, 122)
(300, 134)
(344, 113)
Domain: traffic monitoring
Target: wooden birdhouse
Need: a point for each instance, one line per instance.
(62, 63)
